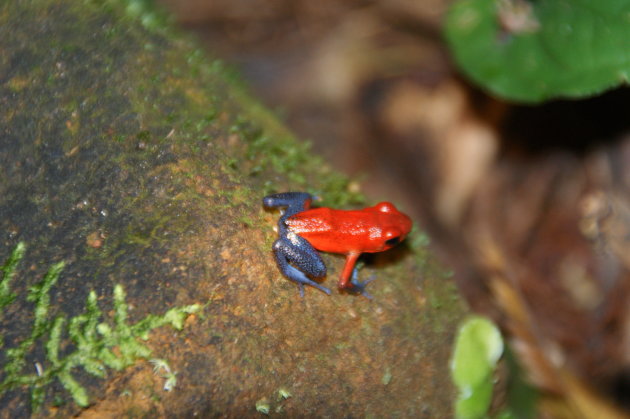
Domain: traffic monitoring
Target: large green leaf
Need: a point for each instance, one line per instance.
(561, 48)
(478, 347)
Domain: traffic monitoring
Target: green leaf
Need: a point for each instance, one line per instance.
(475, 403)
(532, 51)
(478, 347)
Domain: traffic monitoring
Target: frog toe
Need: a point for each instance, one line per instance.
(358, 287)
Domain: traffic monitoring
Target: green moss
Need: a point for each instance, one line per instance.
(187, 77)
(8, 272)
(97, 344)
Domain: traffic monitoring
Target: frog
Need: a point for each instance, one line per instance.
(303, 232)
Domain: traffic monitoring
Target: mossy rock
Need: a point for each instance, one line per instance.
(136, 160)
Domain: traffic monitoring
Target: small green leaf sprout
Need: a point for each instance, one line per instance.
(161, 368)
(262, 406)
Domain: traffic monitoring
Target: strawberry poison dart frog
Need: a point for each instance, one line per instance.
(302, 231)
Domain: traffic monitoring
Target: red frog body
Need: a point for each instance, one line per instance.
(301, 230)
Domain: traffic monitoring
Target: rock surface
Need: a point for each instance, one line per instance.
(138, 161)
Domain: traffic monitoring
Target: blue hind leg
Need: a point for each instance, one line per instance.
(304, 257)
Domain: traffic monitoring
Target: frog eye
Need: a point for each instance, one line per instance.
(385, 207)
(392, 237)
(393, 241)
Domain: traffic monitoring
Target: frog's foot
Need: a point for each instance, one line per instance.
(358, 287)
